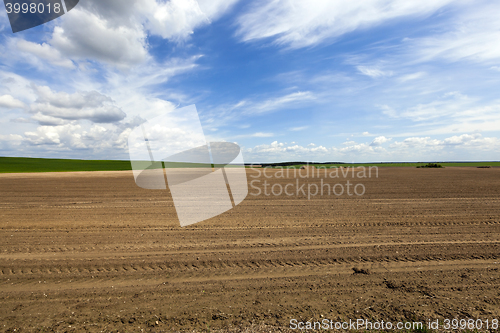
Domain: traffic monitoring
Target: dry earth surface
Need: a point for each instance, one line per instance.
(92, 252)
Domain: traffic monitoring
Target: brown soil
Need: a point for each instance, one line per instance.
(92, 252)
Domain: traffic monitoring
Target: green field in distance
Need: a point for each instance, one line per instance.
(24, 164)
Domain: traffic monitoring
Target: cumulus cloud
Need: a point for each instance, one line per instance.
(354, 148)
(115, 31)
(475, 141)
(379, 140)
(416, 142)
(279, 149)
(85, 35)
(44, 51)
(16, 86)
(358, 148)
(54, 108)
(65, 135)
(48, 120)
(177, 19)
(9, 102)
(274, 147)
(10, 143)
(107, 139)
(297, 23)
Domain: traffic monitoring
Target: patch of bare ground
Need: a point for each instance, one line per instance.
(92, 252)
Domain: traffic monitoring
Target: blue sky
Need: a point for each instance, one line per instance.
(323, 80)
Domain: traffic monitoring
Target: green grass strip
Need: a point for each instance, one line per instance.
(23, 164)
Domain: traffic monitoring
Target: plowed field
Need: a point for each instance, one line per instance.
(93, 252)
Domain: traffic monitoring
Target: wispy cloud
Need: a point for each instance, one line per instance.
(227, 113)
(412, 76)
(253, 135)
(451, 104)
(297, 24)
(472, 36)
(297, 129)
(373, 72)
(276, 103)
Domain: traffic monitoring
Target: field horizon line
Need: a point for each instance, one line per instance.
(36, 164)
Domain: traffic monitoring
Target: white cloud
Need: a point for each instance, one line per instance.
(110, 140)
(361, 149)
(79, 103)
(297, 23)
(358, 148)
(4, 21)
(7, 101)
(473, 35)
(453, 112)
(417, 143)
(44, 51)
(457, 147)
(379, 140)
(16, 86)
(257, 106)
(214, 9)
(254, 135)
(46, 120)
(53, 108)
(262, 135)
(177, 19)
(452, 103)
(300, 128)
(280, 147)
(115, 31)
(412, 76)
(373, 72)
(85, 35)
(276, 103)
(11, 138)
(472, 141)
(62, 136)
